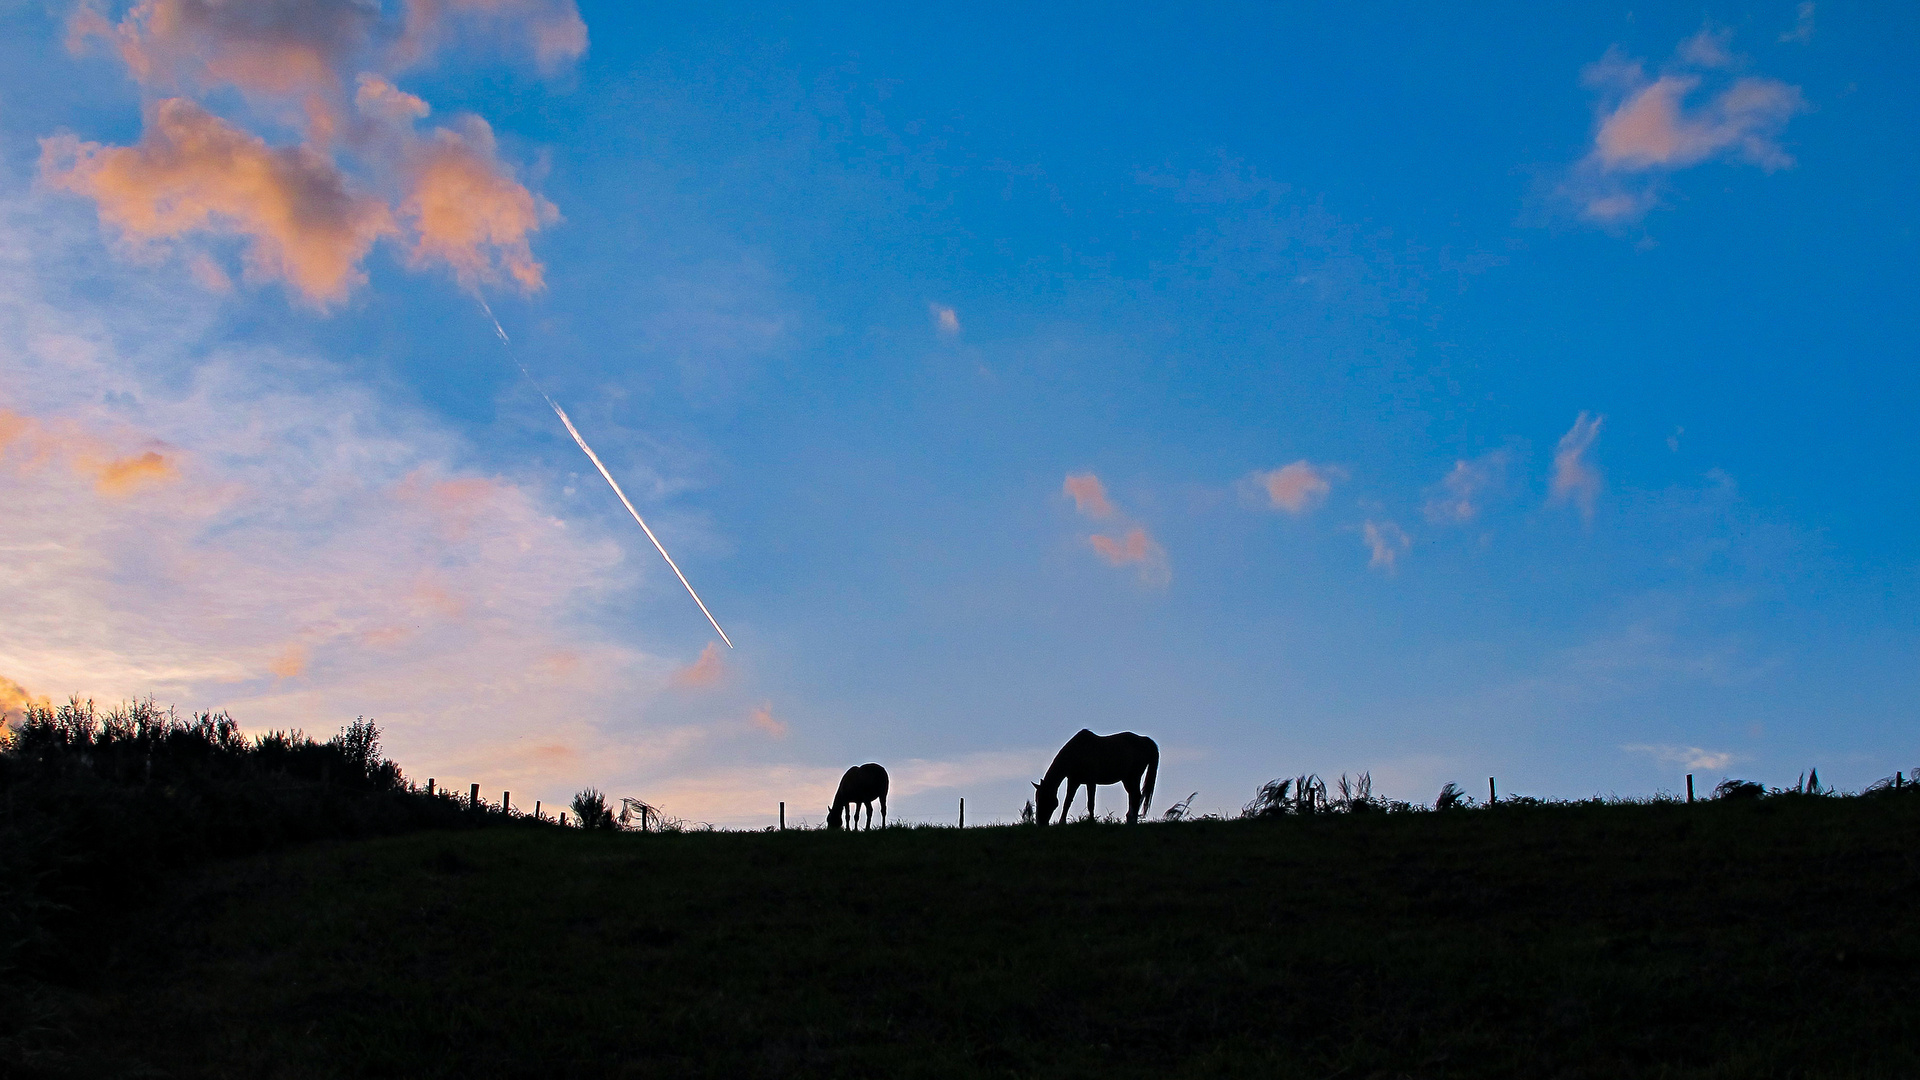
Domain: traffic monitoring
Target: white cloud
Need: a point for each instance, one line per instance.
(945, 319)
(1692, 757)
(1463, 492)
(1387, 542)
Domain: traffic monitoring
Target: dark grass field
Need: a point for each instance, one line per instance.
(1775, 938)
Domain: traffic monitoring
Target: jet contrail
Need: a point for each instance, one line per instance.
(611, 482)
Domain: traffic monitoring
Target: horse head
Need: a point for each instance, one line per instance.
(1045, 801)
(833, 818)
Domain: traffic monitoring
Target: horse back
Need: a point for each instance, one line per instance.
(1106, 759)
(861, 784)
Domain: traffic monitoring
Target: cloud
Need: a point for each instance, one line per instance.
(1089, 495)
(1696, 111)
(1692, 757)
(945, 319)
(32, 443)
(1135, 548)
(126, 474)
(1295, 488)
(1387, 542)
(309, 552)
(381, 100)
(1802, 31)
(302, 47)
(192, 173)
(704, 672)
(265, 46)
(763, 718)
(1575, 479)
(1653, 128)
(1708, 48)
(14, 700)
(468, 212)
(291, 662)
(445, 193)
(1462, 493)
(553, 27)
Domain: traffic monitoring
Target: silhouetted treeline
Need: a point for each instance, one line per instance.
(95, 806)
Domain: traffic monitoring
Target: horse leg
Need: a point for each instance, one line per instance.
(1090, 789)
(1066, 804)
(883, 811)
(1133, 799)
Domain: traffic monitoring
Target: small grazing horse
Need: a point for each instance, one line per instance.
(1099, 759)
(861, 785)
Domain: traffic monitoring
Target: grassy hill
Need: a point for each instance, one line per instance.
(1776, 937)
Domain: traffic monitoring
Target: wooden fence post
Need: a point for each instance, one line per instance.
(506, 801)
(1689, 787)
(783, 817)
(1491, 797)
(963, 813)
(536, 810)
(473, 798)
(429, 785)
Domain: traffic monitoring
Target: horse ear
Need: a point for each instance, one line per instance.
(1036, 787)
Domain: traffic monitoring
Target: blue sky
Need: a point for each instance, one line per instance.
(1445, 395)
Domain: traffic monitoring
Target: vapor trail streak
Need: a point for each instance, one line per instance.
(611, 482)
(595, 458)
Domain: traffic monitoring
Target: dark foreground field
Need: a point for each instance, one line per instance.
(1756, 939)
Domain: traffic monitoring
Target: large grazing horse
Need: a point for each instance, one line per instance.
(859, 787)
(1099, 759)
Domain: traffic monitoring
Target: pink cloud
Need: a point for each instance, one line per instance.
(93, 456)
(446, 193)
(468, 212)
(1575, 479)
(193, 173)
(1653, 128)
(763, 718)
(1089, 495)
(704, 672)
(1296, 488)
(1648, 127)
(1135, 548)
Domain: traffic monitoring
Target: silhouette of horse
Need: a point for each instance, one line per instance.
(859, 787)
(1092, 759)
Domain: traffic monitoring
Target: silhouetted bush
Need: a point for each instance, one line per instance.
(590, 808)
(98, 804)
(1731, 788)
(1452, 798)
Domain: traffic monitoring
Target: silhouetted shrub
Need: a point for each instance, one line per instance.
(99, 804)
(1178, 811)
(1452, 798)
(1304, 795)
(1738, 789)
(590, 807)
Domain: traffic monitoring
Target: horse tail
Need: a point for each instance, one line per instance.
(1153, 771)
